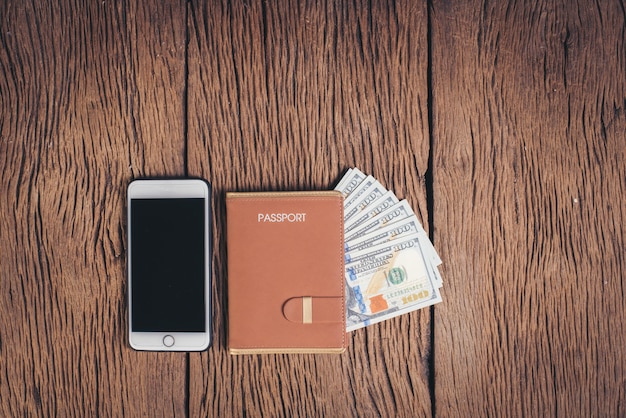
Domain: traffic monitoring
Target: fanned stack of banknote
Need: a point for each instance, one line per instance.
(391, 265)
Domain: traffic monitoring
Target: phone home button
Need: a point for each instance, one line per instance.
(168, 341)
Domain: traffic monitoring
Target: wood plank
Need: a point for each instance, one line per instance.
(529, 211)
(287, 96)
(91, 96)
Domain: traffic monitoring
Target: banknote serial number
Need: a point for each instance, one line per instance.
(281, 217)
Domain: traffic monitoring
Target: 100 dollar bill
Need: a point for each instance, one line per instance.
(400, 210)
(369, 208)
(357, 194)
(350, 181)
(391, 265)
(396, 283)
(396, 230)
(378, 255)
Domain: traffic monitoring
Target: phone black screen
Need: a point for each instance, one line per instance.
(167, 265)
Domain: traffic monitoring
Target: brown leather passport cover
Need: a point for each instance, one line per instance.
(285, 272)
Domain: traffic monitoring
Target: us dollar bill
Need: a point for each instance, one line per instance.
(397, 230)
(378, 255)
(350, 181)
(388, 285)
(391, 264)
(362, 260)
(363, 199)
(356, 194)
(400, 210)
(369, 209)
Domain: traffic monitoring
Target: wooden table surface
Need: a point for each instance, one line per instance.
(502, 123)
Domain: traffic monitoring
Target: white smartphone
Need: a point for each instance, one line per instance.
(168, 265)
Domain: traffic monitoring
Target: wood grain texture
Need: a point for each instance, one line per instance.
(528, 171)
(529, 134)
(91, 95)
(286, 96)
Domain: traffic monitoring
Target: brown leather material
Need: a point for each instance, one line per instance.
(322, 309)
(285, 268)
(293, 310)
